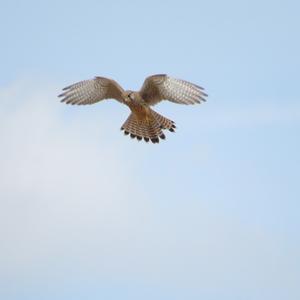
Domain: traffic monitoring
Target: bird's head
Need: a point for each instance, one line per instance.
(129, 96)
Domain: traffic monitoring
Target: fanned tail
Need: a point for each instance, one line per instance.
(149, 128)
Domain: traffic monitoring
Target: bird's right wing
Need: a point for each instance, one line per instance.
(92, 91)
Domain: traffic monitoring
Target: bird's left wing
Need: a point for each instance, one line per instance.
(92, 91)
(163, 87)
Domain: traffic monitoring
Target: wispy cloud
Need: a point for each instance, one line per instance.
(252, 115)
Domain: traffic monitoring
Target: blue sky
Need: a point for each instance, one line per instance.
(212, 212)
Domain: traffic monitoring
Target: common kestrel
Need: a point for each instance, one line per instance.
(143, 122)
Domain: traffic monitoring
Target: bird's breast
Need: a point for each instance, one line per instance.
(141, 110)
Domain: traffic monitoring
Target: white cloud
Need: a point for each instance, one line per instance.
(58, 183)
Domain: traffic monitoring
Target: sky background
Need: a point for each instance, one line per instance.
(211, 213)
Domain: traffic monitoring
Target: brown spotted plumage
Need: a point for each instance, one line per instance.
(143, 122)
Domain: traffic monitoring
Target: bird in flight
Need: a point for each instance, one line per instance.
(143, 122)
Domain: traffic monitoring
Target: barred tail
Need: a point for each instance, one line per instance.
(149, 128)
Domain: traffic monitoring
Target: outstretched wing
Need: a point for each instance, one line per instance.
(92, 91)
(162, 87)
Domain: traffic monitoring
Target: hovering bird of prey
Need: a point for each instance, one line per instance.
(143, 122)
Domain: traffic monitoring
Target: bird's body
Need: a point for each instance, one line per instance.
(143, 122)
